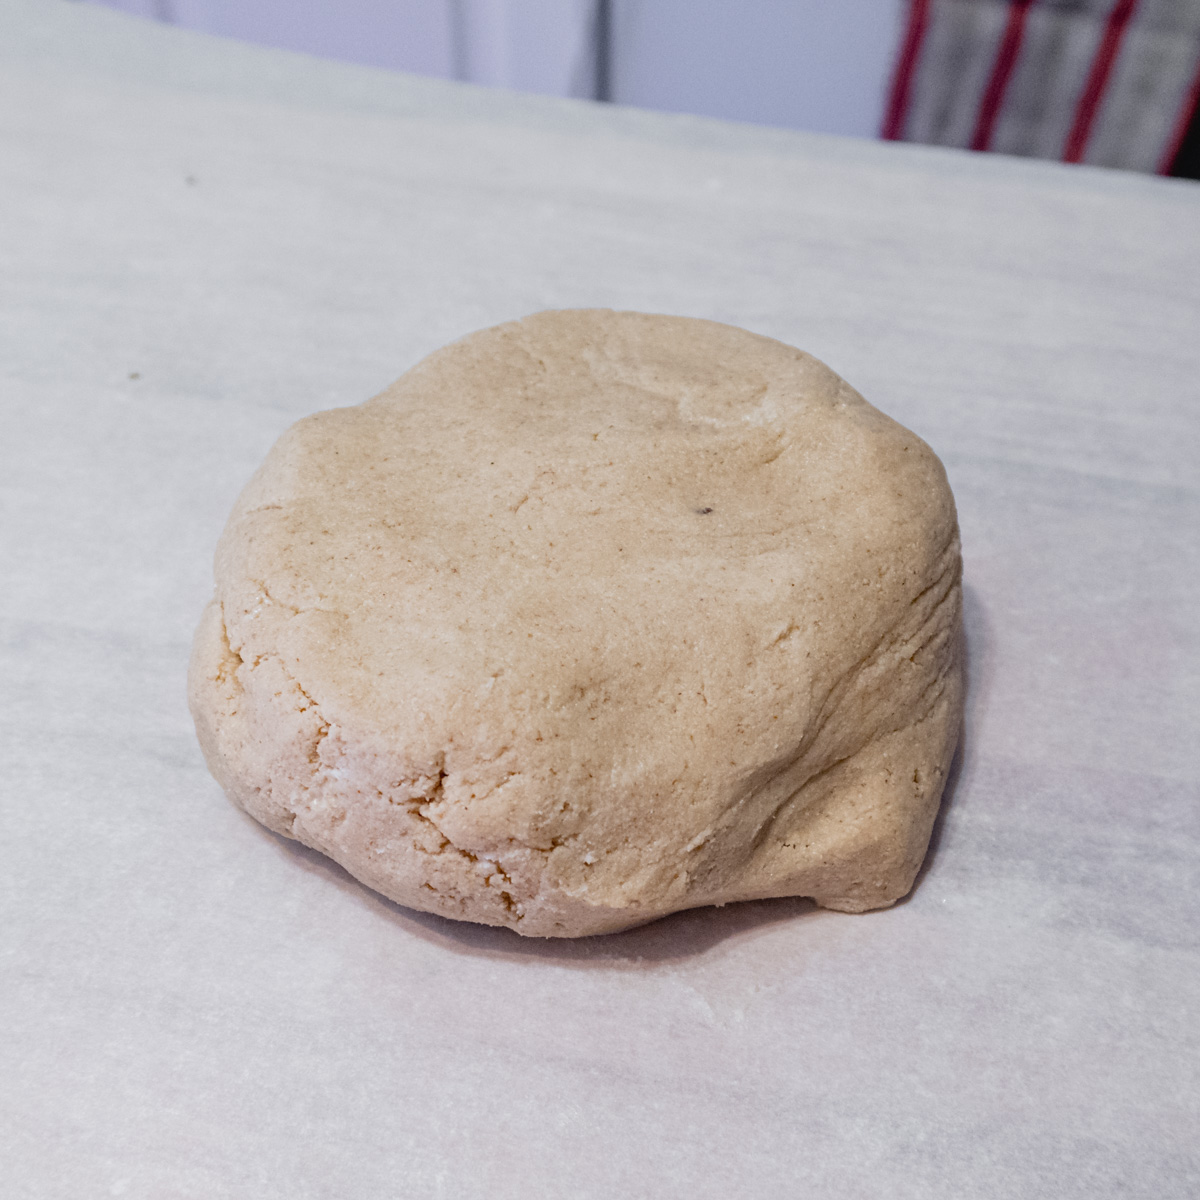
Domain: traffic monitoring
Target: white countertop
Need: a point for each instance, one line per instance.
(201, 242)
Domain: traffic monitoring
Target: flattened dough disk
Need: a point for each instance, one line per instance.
(588, 618)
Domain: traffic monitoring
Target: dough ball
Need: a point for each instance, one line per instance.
(588, 618)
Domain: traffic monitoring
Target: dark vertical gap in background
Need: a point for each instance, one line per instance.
(458, 40)
(164, 10)
(604, 40)
(1186, 164)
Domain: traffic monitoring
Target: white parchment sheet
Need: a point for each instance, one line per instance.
(202, 242)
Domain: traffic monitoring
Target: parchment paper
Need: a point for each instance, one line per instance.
(201, 242)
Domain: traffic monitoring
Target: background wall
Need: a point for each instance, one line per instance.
(806, 64)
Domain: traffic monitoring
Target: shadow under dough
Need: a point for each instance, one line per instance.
(675, 937)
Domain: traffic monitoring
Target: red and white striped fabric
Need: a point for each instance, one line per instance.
(1113, 83)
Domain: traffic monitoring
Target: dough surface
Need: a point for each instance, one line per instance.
(588, 618)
